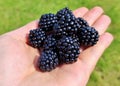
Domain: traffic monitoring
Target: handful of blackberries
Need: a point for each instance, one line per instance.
(60, 37)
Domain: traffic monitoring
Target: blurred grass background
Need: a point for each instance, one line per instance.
(16, 13)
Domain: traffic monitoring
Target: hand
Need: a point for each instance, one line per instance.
(17, 58)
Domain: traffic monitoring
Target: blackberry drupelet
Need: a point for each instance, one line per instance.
(36, 37)
(83, 23)
(75, 37)
(47, 22)
(50, 43)
(88, 36)
(68, 50)
(67, 25)
(48, 61)
(61, 13)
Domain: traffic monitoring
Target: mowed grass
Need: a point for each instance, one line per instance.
(16, 13)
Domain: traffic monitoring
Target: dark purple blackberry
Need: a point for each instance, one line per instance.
(48, 61)
(50, 43)
(88, 36)
(59, 32)
(47, 22)
(67, 25)
(36, 37)
(83, 23)
(68, 49)
(61, 13)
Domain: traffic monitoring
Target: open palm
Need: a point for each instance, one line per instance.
(18, 59)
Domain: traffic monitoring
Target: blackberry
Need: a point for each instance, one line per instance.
(83, 23)
(88, 36)
(66, 25)
(68, 49)
(50, 43)
(36, 37)
(61, 13)
(47, 22)
(59, 32)
(48, 61)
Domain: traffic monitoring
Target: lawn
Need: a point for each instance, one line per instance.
(16, 13)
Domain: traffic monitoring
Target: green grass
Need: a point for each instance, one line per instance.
(16, 13)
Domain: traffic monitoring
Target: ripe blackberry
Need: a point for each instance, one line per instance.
(59, 32)
(68, 49)
(47, 22)
(50, 43)
(83, 23)
(48, 61)
(61, 13)
(88, 36)
(36, 37)
(66, 25)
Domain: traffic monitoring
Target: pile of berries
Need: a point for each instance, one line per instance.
(60, 36)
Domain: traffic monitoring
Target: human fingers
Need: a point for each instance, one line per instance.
(90, 56)
(80, 12)
(92, 15)
(102, 24)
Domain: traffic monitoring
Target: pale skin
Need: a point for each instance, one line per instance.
(17, 58)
